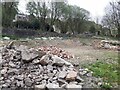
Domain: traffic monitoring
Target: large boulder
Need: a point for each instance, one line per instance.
(45, 60)
(28, 56)
(60, 62)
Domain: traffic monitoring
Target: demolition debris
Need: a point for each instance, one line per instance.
(23, 67)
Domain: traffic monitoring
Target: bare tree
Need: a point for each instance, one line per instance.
(55, 11)
(39, 10)
(112, 18)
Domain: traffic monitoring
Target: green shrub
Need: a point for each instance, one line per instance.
(92, 29)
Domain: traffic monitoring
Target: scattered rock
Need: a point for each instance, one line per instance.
(36, 61)
(71, 75)
(10, 45)
(62, 74)
(73, 86)
(60, 62)
(45, 77)
(45, 60)
(62, 81)
(41, 53)
(11, 64)
(19, 77)
(20, 83)
(89, 74)
(50, 67)
(5, 85)
(107, 46)
(12, 71)
(79, 79)
(73, 82)
(22, 48)
(25, 67)
(4, 71)
(51, 86)
(56, 51)
(40, 87)
(6, 38)
(38, 79)
(27, 56)
(83, 72)
(1, 78)
(76, 64)
(28, 82)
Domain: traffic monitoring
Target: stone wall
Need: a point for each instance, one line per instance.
(19, 32)
(29, 33)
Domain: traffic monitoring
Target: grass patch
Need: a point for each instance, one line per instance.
(109, 73)
(86, 41)
(110, 56)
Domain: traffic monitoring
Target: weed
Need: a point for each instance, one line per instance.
(106, 71)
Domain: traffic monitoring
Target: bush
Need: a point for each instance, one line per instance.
(22, 24)
(92, 29)
(35, 24)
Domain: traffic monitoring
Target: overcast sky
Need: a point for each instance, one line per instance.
(95, 7)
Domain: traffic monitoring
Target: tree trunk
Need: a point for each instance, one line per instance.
(118, 32)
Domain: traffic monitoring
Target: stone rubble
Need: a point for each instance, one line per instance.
(56, 51)
(107, 44)
(23, 68)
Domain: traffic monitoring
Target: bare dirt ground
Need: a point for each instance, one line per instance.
(82, 49)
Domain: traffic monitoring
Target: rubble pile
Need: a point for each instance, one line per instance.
(56, 51)
(22, 67)
(105, 44)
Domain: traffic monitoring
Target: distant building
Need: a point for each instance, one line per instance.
(21, 17)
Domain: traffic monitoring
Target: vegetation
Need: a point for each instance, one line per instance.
(112, 18)
(9, 10)
(34, 24)
(67, 18)
(92, 29)
(106, 71)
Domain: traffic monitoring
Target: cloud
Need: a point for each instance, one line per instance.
(95, 7)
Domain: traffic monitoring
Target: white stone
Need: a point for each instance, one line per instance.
(6, 38)
(107, 46)
(62, 74)
(59, 60)
(71, 75)
(4, 71)
(73, 86)
(52, 86)
(41, 87)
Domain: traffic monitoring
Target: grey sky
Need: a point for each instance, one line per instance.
(95, 7)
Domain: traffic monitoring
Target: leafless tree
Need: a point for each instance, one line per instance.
(112, 18)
